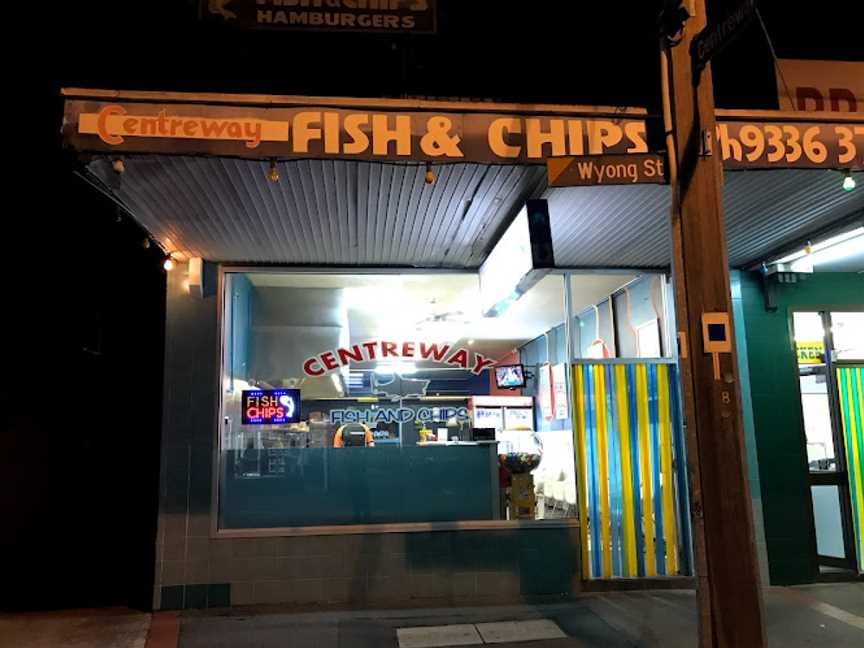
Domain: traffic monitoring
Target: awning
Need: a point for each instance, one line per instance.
(214, 198)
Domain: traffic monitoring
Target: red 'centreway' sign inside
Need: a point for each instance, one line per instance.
(446, 354)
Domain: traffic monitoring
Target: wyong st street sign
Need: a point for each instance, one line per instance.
(590, 170)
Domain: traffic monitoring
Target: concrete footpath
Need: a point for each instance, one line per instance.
(815, 615)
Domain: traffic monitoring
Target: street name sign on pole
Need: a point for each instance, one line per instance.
(592, 170)
(713, 39)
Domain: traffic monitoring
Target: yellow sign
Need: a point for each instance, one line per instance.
(810, 352)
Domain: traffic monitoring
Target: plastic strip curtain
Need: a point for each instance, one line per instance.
(851, 397)
(630, 452)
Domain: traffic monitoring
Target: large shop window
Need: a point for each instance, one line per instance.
(626, 316)
(376, 399)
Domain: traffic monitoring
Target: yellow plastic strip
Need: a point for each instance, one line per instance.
(629, 522)
(602, 463)
(645, 468)
(582, 479)
(666, 471)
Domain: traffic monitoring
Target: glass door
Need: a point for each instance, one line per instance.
(826, 456)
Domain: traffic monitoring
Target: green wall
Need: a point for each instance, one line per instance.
(777, 419)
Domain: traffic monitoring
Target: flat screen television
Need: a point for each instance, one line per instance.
(510, 376)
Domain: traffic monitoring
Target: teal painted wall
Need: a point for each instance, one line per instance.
(749, 428)
(779, 431)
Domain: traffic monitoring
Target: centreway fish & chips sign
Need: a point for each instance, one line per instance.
(323, 132)
(328, 132)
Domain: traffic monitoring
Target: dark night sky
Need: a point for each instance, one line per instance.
(77, 273)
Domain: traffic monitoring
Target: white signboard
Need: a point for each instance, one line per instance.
(544, 391)
(648, 339)
(519, 259)
(836, 86)
(559, 390)
(509, 261)
(489, 417)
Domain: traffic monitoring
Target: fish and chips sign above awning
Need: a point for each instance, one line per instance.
(268, 127)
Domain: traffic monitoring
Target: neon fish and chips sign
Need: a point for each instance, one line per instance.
(270, 406)
(446, 354)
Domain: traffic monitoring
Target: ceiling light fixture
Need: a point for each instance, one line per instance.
(430, 176)
(857, 233)
(168, 264)
(848, 181)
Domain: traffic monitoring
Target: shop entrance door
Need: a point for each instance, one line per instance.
(827, 344)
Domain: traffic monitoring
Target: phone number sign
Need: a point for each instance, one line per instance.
(769, 145)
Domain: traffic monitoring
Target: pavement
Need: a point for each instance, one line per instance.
(815, 615)
(98, 628)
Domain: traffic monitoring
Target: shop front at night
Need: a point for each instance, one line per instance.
(399, 364)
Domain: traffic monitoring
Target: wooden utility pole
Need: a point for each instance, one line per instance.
(730, 602)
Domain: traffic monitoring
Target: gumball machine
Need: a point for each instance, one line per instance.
(519, 455)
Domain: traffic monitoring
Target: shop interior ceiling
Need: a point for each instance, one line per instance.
(436, 307)
(331, 212)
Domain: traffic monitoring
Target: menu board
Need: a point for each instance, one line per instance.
(519, 418)
(489, 417)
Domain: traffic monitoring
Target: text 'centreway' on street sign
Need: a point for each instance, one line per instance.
(718, 35)
(592, 170)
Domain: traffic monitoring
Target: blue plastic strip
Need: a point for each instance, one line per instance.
(591, 455)
(654, 427)
(679, 459)
(634, 460)
(616, 504)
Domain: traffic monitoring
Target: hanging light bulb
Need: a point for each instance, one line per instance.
(430, 177)
(808, 248)
(273, 174)
(848, 181)
(168, 264)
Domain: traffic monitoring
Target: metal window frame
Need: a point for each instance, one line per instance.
(349, 529)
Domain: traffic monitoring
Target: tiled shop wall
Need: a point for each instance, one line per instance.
(195, 570)
(782, 455)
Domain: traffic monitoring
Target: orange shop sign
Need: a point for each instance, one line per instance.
(331, 132)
